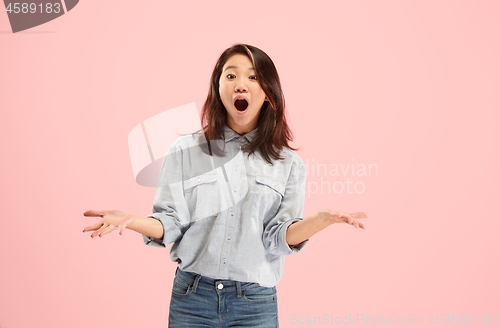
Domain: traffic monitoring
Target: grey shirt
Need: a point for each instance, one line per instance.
(227, 214)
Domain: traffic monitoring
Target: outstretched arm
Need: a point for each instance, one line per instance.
(304, 229)
(112, 220)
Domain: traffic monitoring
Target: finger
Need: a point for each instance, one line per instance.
(347, 218)
(98, 232)
(104, 229)
(355, 224)
(359, 215)
(122, 227)
(350, 220)
(362, 226)
(93, 227)
(94, 213)
(109, 229)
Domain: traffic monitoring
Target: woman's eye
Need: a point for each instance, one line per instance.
(253, 77)
(231, 76)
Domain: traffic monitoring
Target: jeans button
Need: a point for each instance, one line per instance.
(220, 286)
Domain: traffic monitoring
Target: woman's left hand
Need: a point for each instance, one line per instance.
(332, 216)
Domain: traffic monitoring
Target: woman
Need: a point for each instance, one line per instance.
(230, 200)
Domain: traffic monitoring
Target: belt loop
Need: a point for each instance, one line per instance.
(195, 285)
(238, 288)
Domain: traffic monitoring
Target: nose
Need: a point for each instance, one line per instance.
(240, 86)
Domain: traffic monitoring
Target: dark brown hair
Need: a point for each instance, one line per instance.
(273, 132)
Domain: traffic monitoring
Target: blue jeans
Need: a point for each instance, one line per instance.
(198, 301)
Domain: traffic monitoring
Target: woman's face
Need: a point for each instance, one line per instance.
(241, 94)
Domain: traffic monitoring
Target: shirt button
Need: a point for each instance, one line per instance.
(228, 238)
(235, 189)
(220, 286)
(225, 260)
(232, 213)
(199, 179)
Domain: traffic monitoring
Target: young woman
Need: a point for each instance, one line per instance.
(231, 200)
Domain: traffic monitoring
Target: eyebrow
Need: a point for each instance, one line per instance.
(229, 67)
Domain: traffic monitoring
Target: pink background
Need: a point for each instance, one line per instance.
(411, 86)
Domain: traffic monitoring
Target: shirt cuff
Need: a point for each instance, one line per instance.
(169, 231)
(284, 247)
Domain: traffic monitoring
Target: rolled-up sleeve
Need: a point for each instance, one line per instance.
(290, 210)
(169, 202)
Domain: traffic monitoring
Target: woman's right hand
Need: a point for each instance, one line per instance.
(110, 221)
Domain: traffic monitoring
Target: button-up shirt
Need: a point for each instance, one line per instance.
(227, 213)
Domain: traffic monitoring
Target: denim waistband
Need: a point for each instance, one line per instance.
(217, 285)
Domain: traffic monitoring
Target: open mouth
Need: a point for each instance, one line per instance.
(241, 104)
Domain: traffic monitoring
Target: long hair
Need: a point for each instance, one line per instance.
(273, 132)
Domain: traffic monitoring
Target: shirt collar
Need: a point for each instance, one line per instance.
(230, 134)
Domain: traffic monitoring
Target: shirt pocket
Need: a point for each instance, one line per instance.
(202, 196)
(269, 193)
